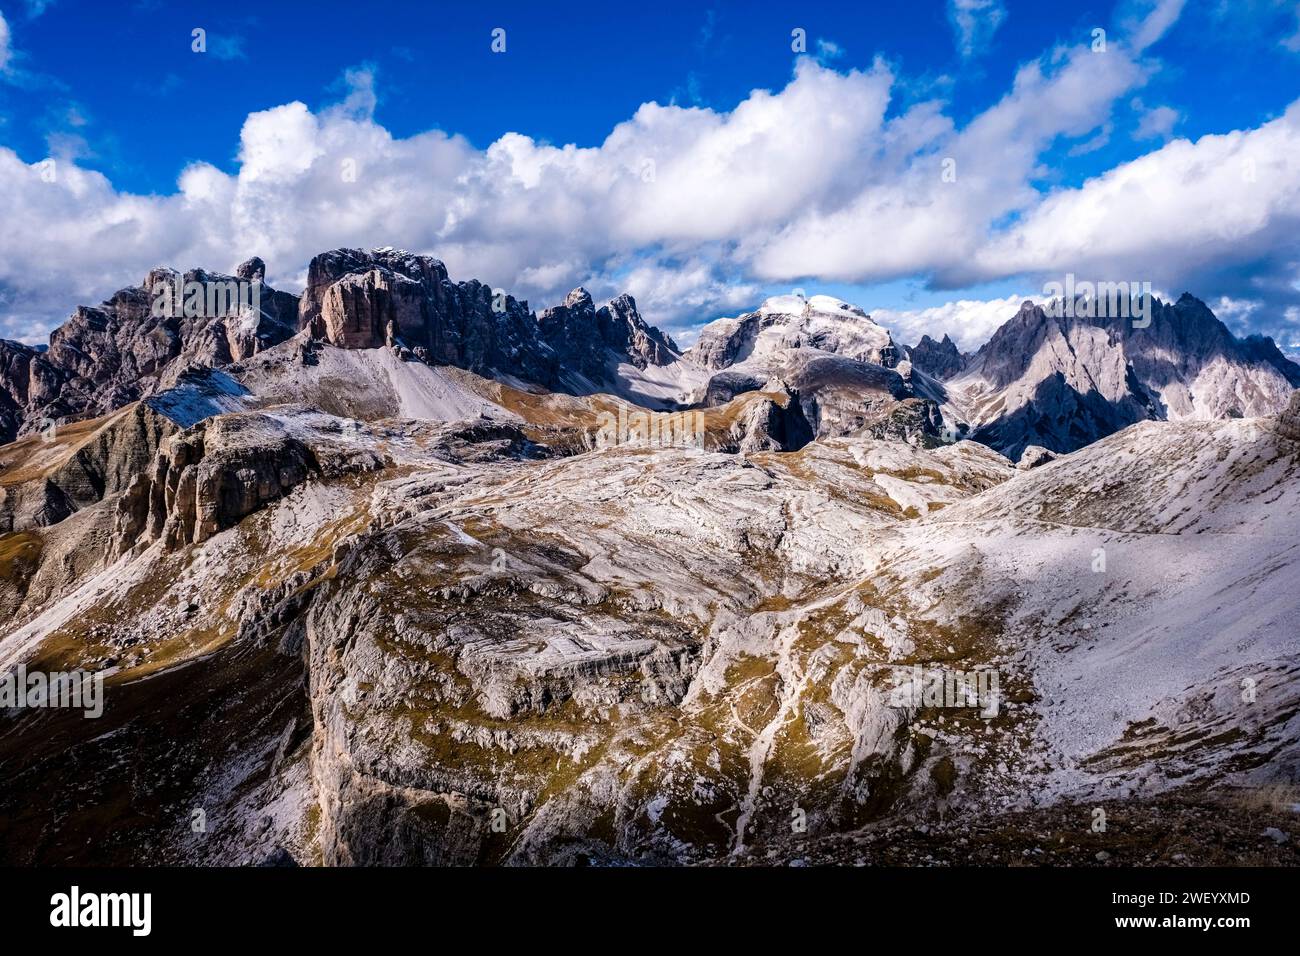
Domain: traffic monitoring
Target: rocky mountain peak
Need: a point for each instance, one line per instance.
(367, 299)
(590, 343)
(644, 344)
(1265, 349)
(252, 270)
(941, 360)
(790, 322)
(1048, 377)
(136, 341)
(579, 298)
(370, 298)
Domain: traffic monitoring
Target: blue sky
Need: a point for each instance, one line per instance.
(164, 152)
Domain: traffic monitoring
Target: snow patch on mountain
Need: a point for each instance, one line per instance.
(200, 394)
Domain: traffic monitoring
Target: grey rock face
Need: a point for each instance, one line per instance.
(252, 270)
(1265, 349)
(585, 338)
(77, 467)
(721, 348)
(839, 396)
(840, 369)
(792, 322)
(1034, 456)
(206, 478)
(362, 299)
(1288, 423)
(764, 427)
(366, 299)
(1065, 381)
(629, 333)
(941, 360)
(726, 385)
(506, 651)
(768, 422)
(828, 396)
(106, 357)
(366, 310)
(18, 365)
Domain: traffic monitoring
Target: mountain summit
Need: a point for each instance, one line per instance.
(123, 350)
(1064, 382)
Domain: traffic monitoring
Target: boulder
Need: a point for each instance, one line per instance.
(1033, 456)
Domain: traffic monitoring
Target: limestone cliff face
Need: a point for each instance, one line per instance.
(1064, 381)
(206, 478)
(369, 298)
(1288, 422)
(364, 310)
(127, 348)
(70, 468)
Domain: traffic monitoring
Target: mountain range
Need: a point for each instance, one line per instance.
(1059, 383)
(399, 571)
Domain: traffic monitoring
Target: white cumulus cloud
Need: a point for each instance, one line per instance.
(1155, 123)
(974, 22)
(5, 50)
(968, 321)
(695, 210)
(1220, 201)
